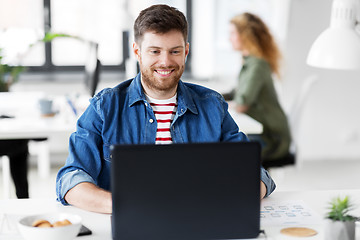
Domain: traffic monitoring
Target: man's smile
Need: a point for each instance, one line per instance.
(164, 73)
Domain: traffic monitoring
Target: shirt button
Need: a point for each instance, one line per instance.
(182, 110)
(151, 120)
(146, 104)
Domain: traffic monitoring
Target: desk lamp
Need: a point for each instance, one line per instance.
(338, 47)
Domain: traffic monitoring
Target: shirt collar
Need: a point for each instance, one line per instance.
(185, 99)
(136, 93)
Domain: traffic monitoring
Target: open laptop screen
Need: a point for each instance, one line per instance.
(186, 191)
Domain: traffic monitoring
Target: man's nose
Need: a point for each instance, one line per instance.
(165, 58)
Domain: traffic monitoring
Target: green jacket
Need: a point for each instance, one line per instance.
(256, 90)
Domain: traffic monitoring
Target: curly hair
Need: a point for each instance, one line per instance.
(257, 39)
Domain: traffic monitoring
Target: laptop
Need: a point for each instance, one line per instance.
(186, 191)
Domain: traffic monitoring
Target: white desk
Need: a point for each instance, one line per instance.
(33, 128)
(318, 201)
(245, 123)
(28, 122)
(14, 209)
(100, 224)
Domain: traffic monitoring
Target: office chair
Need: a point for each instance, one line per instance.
(294, 119)
(289, 159)
(92, 69)
(296, 113)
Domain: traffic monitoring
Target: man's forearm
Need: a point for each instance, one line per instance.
(89, 197)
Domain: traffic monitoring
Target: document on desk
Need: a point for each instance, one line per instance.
(296, 212)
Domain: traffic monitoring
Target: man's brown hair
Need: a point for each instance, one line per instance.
(160, 18)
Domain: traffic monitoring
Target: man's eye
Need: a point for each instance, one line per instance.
(175, 52)
(154, 51)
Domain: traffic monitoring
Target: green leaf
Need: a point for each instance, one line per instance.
(339, 209)
(51, 36)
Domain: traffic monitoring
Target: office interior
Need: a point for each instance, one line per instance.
(322, 103)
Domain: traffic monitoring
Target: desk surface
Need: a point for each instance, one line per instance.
(15, 209)
(28, 122)
(32, 128)
(100, 224)
(245, 123)
(318, 201)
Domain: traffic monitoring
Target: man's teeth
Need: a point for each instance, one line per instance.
(163, 72)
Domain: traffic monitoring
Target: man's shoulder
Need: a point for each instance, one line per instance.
(113, 92)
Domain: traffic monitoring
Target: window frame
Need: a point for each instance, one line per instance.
(48, 65)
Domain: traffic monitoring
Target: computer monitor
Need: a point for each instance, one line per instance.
(92, 69)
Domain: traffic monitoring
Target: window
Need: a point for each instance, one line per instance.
(107, 22)
(21, 23)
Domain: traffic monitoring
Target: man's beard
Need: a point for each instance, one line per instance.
(158, 84)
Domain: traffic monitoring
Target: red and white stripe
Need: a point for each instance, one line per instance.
(165, 111)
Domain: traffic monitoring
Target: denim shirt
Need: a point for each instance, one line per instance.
(122, 115)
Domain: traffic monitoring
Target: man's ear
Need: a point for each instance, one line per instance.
(187, 49)
(136, 50)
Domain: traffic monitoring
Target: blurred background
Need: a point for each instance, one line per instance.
(324, 103)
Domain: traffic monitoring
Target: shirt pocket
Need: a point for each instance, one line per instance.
(107, 152)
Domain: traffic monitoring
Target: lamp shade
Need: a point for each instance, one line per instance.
(338, 47)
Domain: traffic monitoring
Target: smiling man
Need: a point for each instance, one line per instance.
(162, 62)
(155, 107)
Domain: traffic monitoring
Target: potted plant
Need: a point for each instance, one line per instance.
(340, 225)
(8, 74)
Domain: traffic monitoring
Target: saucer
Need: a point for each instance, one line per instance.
(52, 114)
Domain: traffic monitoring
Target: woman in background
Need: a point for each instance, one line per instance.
(255, 93)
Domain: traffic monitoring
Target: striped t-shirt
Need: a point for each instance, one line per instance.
(164, 112)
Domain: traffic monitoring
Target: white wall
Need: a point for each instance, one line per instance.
(212, 54)
(329, 123)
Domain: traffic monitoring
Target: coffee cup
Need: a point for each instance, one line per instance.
(46, 106)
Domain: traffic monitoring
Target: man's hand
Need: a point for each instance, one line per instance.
(89, 197)
(262, 190)
(241, 108)
(237, 107)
